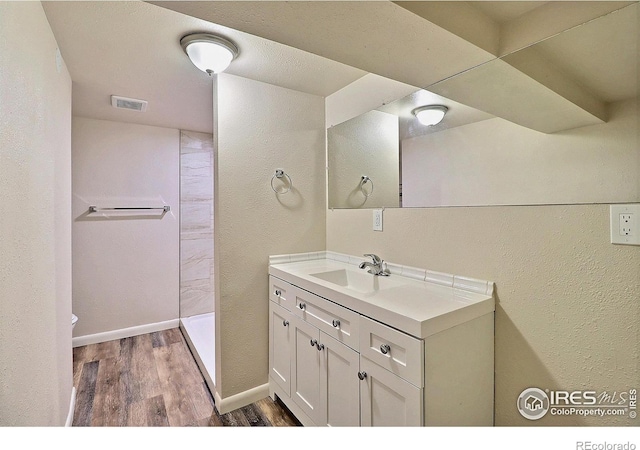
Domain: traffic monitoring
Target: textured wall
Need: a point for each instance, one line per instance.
(35, 225)
(196, 223)
(125, 267)
(365, 145)
(567, 309)
(261, 127)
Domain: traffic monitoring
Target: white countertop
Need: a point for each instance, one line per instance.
(417, 307)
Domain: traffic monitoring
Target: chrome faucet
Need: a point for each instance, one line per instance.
(375, 268)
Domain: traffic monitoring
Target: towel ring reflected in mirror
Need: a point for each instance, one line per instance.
(364, 180)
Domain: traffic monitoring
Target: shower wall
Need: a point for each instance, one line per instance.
(196, 226)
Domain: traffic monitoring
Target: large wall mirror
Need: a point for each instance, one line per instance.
(553, 123)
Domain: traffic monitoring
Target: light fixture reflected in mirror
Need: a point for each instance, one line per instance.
(430, 115)
(209, 53)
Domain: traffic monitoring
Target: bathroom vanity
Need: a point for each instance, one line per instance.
(347, 348)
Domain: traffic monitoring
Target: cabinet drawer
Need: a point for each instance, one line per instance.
(281, 293)
(394, 350)
(338, 322)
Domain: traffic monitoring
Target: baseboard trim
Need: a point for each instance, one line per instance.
(72, 408)
(228, 404)
(124, 333)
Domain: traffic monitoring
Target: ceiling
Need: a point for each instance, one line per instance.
(601, 55)
(457, 115)
(561, 81)
(131, 48)
(502, 12)
(379, 37)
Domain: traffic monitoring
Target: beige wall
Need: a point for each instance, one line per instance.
(367, 145)
(35, 226)
(495, 162)
(567, 309)
(261, 127)
(125, 267)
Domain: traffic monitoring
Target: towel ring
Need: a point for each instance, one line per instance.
(279, 174)
(365, 179)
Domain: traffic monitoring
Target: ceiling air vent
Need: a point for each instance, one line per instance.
(128, 103)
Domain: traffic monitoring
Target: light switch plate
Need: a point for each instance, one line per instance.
(624, 224)
(377, 220)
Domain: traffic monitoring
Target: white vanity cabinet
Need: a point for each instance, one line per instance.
(330, 382)
(306, 356)
(280, 337)
(333, 362)
(311, 371)
(339, 383)
(386, 399)
(324, 384)
(391, 364)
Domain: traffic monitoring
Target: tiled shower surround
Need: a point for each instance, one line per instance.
(196, 223)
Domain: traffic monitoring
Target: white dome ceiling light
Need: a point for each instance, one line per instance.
(430, 115)
(210, 53)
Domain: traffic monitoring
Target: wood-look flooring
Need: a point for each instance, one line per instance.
(153, 380)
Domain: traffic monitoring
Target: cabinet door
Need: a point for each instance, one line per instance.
(388, 400)
(305, 370)
(339, 383)
(280, 346)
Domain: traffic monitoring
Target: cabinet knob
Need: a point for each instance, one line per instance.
(384, 348)
(336, 323)
(285, 323)
(319, 346)
(362, 375)
(302, 305)
(313, 342)
(278, 292)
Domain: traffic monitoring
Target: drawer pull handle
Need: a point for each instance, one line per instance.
(278, 292)
(313, 342)
(285, 323)
(302, 305)
(384, 348)
(319, 346)
(336, 323)
(362, 375)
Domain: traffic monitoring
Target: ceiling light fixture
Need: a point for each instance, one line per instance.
(209, 53)
(430, 115)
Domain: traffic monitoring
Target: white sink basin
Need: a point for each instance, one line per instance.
(362, 282)
(412, 305)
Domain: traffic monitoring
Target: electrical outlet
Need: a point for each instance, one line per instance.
(377, 220)
(624, 224)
